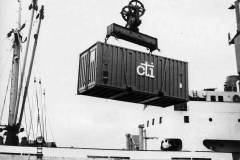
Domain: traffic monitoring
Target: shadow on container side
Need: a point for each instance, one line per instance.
(123, 74)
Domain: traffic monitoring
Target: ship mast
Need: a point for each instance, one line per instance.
(12, 138)
(13, 127)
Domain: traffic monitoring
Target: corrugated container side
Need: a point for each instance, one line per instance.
(128, 75)
(169, 75)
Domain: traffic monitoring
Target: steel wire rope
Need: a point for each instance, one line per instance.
(38, 114)
(45, 112)
(41, 106)
(33, 113)
(30, 124)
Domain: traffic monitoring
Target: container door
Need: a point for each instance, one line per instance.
(87, 69)
(92, 67)
(83, 62)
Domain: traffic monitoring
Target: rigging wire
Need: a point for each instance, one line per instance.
(5, 97)
(31, 123)
(45, 113)
(47, 119)
(38, 114)
(41, 106)
(33, 115)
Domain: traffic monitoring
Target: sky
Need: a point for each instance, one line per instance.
(193, 31)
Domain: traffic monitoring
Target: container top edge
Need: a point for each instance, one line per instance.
(99, 42)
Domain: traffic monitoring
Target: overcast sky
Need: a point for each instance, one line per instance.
(193, 31)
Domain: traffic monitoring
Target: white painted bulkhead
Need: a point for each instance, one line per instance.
(207, 120)
(226, 96)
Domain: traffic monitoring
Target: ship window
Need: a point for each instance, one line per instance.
(201, 158)
(186, 119)
(239, 120)
(210, 119)
(213, 98)
(148, 123)
(220, 98)
(160, 120)
(153, 121)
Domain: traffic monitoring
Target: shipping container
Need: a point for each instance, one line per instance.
(118, 73)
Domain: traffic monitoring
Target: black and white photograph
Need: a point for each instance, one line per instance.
(119, 80)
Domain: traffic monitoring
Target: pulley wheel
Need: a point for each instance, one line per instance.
(139, 5)
(125, 13)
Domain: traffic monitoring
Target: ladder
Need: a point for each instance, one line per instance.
(39, 153)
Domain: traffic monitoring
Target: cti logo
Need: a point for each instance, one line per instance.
(145, 69)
